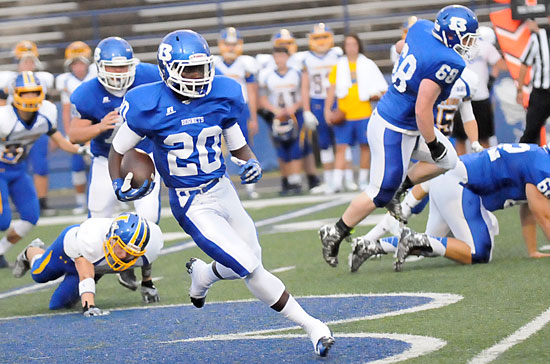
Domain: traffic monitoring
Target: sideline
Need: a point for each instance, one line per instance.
(522, 334)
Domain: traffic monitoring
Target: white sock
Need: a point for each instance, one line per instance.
(250, 187)
(264, 286)
(364, 176)
(327, 177)
(389, 244)
(5, 245)
(388, 225)
(409, 203)
(295, 313)
(80, 199)
(439, 246)
(35, 258)
(337, 177)
(348, 174)
(295, 179)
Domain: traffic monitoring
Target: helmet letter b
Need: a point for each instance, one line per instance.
(164, 52)
(457, 24)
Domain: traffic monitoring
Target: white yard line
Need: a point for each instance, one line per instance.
(283, 269)
(522, 334)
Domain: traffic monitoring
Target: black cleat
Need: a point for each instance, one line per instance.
(410, 243)
(361, 250)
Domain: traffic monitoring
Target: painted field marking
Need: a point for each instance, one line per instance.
(522, 334)
(283, 269)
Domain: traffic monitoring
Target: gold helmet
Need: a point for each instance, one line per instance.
(407, 24)
(25, 48)
(230, 43)
(321, 38)
(284, 38)
(27, 82)
(129, 232)
(77, 51)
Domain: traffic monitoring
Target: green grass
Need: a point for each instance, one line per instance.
(499, 297)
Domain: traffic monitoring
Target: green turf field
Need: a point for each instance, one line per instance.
(498, 298)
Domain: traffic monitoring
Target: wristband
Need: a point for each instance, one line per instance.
(432, 144)
(86, 286)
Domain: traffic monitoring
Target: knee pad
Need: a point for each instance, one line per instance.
(22, 227)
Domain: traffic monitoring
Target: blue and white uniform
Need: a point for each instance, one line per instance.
(84, 240)
(92, 101)
(392, 132)
(318, 68)
(16, 139)
(461, 199)
(244, 70)
(284, 91)
(66, 83)
(38, 154)
(186, 138)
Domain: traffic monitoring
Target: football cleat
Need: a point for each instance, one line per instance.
(22, 264)
(361, 250)
(323, 345)
(410, 243)
(197, 292)
(331, 239)
(394, 206)
(127, 278)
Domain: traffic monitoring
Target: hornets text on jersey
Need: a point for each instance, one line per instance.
(422, 57)
(499, 174)
(187, 151)
(92, 101)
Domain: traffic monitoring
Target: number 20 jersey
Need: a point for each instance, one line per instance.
(423, 57)
(185, 134)
(499, 174)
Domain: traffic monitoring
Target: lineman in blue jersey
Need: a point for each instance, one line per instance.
(24, 121)
(461, 202)
(185, 117)
(402, 126)
(95, 105)
(81, 252)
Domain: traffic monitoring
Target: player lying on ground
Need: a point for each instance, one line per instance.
(461, 202)
(185, 117)
(97, 246)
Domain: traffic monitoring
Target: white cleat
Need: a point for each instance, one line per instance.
(22, 264)
(197, 291)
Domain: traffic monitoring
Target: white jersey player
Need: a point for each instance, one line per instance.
(95, 247)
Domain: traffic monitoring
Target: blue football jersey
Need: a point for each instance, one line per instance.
(499, 174)
(423, 57)
(92, 101)
(186, 136)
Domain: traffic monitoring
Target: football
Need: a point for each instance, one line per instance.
(140, 165)
(337, 117)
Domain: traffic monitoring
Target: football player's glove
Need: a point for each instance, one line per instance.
(84, 150)
(92, 311)
(438, 150)
(476, 147)
(124, 191)
(251, 170)
(149, 292)
(310, 121)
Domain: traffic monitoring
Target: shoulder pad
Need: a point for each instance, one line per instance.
(147, 94)
(250, 64)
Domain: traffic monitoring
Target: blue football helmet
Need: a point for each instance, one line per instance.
(27, 82)
(456, 27)
(115, 52)
(183, 51)
(130, 233)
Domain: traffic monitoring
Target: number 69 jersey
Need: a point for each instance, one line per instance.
(423, 57)
(186, 135)
(499, 174)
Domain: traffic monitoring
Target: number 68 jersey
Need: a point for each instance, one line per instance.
(423, 57)
(185, 133)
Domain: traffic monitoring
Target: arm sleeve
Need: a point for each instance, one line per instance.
(233, 137)
(466, 111)
(125, 139)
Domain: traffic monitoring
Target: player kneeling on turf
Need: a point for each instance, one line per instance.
(91, 249)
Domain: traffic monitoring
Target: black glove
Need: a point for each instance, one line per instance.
(491, 82)
(437, 150)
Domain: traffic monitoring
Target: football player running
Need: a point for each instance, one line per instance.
(402, 125)
(81, 252)
(244, 70)
(78, 57)
(461, 202)
(187, 152)
(24, 121)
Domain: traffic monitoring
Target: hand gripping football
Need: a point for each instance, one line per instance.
(141, 166)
